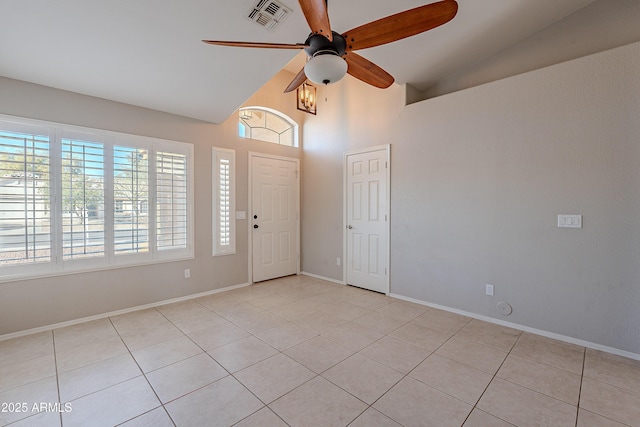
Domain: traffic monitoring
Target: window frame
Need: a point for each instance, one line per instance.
(57, 264)
(218, 157)
(294, 125)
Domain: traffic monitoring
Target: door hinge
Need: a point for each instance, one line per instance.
(297, 174)
(386, 165)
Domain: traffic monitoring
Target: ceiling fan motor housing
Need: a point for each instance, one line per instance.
(320, 45)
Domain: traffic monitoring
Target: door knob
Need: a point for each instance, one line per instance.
(349, 227)
(255, 217)
(255, 225)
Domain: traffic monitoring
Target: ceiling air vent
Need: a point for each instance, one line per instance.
(269, 13)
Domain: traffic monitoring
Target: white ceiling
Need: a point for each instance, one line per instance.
(148, 52)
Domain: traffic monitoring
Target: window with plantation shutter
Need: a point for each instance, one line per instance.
(25, 221)
(75, 199)
(224, 239)
(131, 200)
(82, 199)
(171, 200)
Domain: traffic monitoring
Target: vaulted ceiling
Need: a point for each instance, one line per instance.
(149, 52)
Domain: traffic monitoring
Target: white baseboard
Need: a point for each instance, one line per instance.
(547, 334)
(327, 279)
(116, 313)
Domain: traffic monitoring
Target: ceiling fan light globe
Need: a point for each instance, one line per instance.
(325, 69)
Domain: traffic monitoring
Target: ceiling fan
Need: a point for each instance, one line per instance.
(331, 55)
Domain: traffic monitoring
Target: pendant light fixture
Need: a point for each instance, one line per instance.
(306, 95)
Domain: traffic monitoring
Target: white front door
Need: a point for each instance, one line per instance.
(274, 216)
(367, 218)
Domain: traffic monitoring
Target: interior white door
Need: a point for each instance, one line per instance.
(367, 216)
(274, 217)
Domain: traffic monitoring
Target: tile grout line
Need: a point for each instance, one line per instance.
(536, 391)
(318, 334)
(370, 406)
(55, 361)
(423, 360)
(229, 374)
(485, 389)
(584, 360)
(203, 350)
(495, 375)
(144, 375)
(434, 352)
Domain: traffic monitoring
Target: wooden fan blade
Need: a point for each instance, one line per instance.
(365, 70)
(300, 78)
(257, 44)
(317, 17)
(401, 25)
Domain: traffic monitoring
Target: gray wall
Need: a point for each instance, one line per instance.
(603, 25)
(478, 178)
(353, 116)
(27, 304)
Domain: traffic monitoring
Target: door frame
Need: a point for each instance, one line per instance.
(253, 154)
(345, 260)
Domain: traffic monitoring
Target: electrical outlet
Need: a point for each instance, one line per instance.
(488, 289)
(187, 273)
(337, 261)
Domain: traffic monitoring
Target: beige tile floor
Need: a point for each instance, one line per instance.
(299, 351)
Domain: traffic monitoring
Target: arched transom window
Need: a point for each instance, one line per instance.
(266, 124)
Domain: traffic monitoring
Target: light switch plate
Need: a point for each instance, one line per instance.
(241, 215)
(569, 221)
